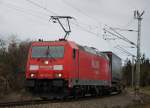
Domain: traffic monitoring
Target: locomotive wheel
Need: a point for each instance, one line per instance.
(100, 91)
(44, 98)
(76, 93)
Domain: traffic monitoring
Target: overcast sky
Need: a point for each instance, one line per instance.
(22, 18)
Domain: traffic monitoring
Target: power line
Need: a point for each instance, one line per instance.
(79, 10)
(118, 35)
(88, 25)
(86, 30)
(123, 50)
(96, 20)
(21, 10)
(93, 19)
(29, 10)
(50, 11)
(120, 29)
(42, 7)
(125, 39)
(46, 9)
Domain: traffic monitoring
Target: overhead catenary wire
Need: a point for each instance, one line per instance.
(49, 11)
(120, 29)
(80, 11)
(111, 31)
(92, 18)
(84, 29)
(78, 25)
(42, 7)
(118, 35)
(52, 12)
(20, 9)
(124, 38)
(91, 27)
(123, 50)
(27, 9)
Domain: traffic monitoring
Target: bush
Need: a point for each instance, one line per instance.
(12, 63)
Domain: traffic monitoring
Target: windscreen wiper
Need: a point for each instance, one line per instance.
(48, 54)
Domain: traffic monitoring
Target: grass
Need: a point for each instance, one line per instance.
(145, 90)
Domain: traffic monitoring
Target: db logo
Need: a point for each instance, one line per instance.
(95, 64)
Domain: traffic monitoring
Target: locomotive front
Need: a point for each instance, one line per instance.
(45, 70)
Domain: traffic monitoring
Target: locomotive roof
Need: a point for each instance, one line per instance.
(47, 42)
(91, 50)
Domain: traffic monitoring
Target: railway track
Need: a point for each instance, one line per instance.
(22, 103)
(36, 102)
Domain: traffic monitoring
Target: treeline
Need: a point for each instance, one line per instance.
(13, 56)
(144, 72)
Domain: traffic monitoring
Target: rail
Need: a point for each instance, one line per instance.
(38, 102)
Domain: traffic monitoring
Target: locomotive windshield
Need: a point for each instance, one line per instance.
(47, 51)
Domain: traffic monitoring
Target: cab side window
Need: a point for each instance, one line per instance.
(74, 53)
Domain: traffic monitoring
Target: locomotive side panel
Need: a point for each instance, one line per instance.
(93, 69)
(105, 70)
(71, 62)
(87, 66)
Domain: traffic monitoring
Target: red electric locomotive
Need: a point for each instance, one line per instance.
(63, 68)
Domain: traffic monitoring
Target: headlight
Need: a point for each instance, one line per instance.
(58, 67)
(32, 75)
(33, 67)
(58, 75)
(46, 62)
